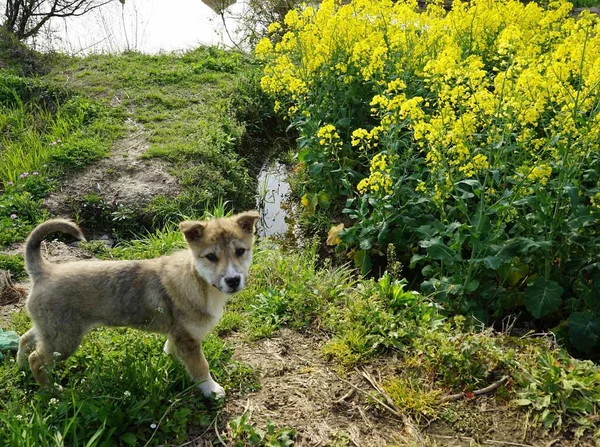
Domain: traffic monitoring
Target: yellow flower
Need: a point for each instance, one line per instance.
(540, 173)
(333, 237)
(304, 200)
(359, 136)
(274, 27)
(328, 137)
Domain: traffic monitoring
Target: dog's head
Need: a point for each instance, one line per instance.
(222, 249)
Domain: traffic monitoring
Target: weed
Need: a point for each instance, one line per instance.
(243, 433)
(561, 391)
(14, 264)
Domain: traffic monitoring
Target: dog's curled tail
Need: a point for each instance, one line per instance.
(34, 262)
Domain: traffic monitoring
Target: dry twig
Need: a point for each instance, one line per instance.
(408, 423)
(488, 389)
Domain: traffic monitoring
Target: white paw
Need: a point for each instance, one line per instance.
(211, 389)
(168, 348)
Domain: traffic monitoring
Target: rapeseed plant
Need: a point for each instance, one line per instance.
(469, 139)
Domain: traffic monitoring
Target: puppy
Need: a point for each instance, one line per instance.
(181, 295)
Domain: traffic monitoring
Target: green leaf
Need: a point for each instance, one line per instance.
(583, 330)
(522, 402)
(129, 438)
(362, 260)
(472, 286)
(491, 262)
(316, 168)
(543, 297)
(438, 250)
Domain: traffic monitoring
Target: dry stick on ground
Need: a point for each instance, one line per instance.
(408, 423)
(487, 441)
(488, 389)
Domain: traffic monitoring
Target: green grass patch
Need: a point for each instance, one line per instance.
(371, 321)
(202, 111)
(45, 132)
(14, 264)
(119, 387)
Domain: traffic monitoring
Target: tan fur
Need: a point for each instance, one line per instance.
(181, 295)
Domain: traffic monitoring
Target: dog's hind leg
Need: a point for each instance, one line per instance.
(51, 348)
(26, 347)
(190, 351)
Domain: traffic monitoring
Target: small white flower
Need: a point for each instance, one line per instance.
(56, 354)
(53, 401)
(19, 417)
(127, 394)
(152, 426)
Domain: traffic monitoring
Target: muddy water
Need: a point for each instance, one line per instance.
(273, 190)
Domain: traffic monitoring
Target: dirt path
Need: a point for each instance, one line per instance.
(121, 179)
(300, 389)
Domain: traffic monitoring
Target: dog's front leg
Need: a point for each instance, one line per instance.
(190, 351)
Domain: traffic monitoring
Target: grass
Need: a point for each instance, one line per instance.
(45, 133)
(14, 264)
(119, 385)
(202, 111)
(118, 388)
(374, 321)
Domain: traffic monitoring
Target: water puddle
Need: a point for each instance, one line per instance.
(272, 193)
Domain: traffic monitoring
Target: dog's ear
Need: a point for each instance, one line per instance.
(192, 230)
(247, 221)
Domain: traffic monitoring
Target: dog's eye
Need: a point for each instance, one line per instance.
(240, 252)
(211, 257)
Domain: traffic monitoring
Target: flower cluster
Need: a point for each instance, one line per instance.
(469, 86)
(329, 139)
(469, 138)
(379, 180)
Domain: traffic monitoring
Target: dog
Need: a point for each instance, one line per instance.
(181, 295)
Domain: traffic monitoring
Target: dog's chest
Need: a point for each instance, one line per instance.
(209, 318)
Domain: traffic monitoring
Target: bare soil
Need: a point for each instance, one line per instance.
(300, 389)
(121, 179)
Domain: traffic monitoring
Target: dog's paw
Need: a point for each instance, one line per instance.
(211, 389)
(168, 348)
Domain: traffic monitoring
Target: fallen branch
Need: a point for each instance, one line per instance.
(487, 441)
(388, 408)
(488, 389)
(408, 423)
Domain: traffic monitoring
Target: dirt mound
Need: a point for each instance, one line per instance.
(119, 179)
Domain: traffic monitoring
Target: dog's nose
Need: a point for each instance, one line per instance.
(233, 281)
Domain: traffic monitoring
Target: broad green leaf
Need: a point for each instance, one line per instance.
(584, 329)
(362, 260)
(438, 250)
(129, 438)
(491, 262)
(543, 297)
(472, 286)
(522, 402)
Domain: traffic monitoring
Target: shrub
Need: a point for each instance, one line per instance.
(468, 139)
